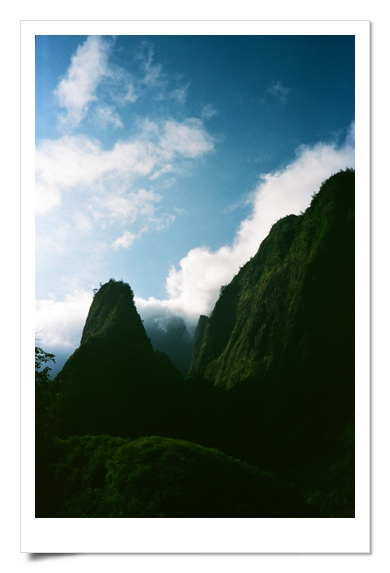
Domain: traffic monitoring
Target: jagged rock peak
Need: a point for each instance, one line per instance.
(113, 314)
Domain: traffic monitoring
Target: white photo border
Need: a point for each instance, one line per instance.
(292, 536)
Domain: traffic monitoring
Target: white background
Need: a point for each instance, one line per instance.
(10, 333)
(198, 535)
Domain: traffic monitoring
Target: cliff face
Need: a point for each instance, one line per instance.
(281, 338)
(114, 382)
(290, 310)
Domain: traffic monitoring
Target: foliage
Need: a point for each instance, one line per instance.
(160, 477)
(44, 410)
(41, 371)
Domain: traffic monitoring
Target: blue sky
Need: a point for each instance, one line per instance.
(164, 160)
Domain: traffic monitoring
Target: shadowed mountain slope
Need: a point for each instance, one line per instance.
(281, 337)
(293, 303)
(114, 382)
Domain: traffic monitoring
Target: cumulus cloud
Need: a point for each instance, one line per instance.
(193, 286)
(89, 65)
(59, 324)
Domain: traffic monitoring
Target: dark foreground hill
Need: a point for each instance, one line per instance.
(103, 476)
(272, 383)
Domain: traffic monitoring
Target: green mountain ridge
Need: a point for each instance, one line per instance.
(301, 277)
(280, 341)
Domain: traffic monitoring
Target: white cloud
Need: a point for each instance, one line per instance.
(125, 241)
(187, 138)
(193, 287)
(107, 116)
(59, 324)
(77, 89)
(47, 197)
(168, 168)
(79, 163)
(289, 190)
(92, 76)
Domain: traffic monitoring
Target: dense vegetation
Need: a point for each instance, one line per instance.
(103, 476)
(269, 400)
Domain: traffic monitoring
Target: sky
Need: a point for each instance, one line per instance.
(163, 161)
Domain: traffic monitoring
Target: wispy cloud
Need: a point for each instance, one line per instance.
(107, 116)
(78, 163)
(154, 221)
(91, 69)
(151, 76)
(276, 92)
(89, 66)
(130, 206)
(208, 111)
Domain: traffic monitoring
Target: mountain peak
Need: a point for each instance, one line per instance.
(113, 317)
